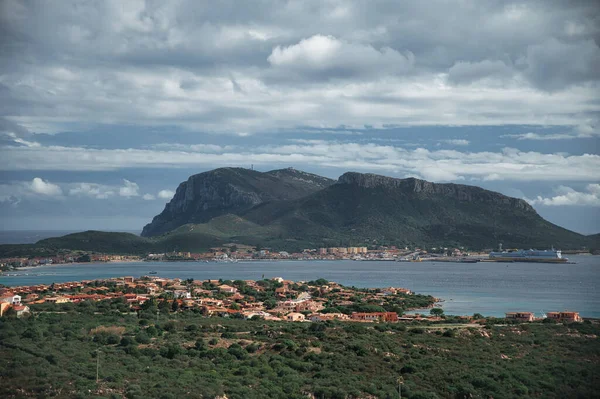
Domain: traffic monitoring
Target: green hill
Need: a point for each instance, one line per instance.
(376, 209)
(291, 210)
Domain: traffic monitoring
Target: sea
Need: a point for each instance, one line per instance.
(465, 288)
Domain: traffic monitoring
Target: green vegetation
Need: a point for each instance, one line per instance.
(184, 354)
(349, 214)
(113, 243)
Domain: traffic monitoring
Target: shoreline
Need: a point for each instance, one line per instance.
(70, 264)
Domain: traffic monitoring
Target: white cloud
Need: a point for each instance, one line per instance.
(508, 164)
(541, 137)
(92, 190)
(39, 186)
(566, 196)
(586, 129)
(438, 174)
(320, 54)
(460, 142)
(148, 197)
(165, 194)
(129, 189)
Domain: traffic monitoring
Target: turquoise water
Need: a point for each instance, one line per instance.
(487, 288)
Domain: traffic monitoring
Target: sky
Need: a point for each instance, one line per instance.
(106, 106)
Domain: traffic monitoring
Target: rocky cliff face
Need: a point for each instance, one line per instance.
(424, 188)
(292, 209)
(230, 190)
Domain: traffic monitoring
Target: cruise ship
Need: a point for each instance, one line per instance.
(528, 255)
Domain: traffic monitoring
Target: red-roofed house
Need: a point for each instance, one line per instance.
(21, 309)
(374, 316)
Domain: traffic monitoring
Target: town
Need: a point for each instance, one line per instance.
(234, 253)
(274, 299)
(270, 299)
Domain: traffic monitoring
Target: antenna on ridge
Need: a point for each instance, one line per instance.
(252, 166)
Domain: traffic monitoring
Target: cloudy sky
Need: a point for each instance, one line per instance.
(106, 106)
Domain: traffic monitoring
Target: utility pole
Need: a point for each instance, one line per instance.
(97, 365)
(400, 382)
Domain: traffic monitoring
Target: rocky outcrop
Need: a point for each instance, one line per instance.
(230, 190)
(424, 188)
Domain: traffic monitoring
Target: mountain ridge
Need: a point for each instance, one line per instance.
(286, 209)
(371, 208)
(213, 193)
(461, 191)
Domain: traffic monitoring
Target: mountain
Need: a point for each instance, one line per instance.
(231, 190)
(291, 210)
(367, 208)
(250, 207)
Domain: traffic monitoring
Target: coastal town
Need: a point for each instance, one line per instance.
(234, 253)
(274, 299)
(270, 299)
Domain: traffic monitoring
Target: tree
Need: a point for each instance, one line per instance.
(436, 312)
(84, 258)
(270, 303)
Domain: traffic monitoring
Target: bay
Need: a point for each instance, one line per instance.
(466, 288)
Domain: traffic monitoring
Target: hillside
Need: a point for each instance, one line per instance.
(291, 210)
(161, 354)
(365, 208)
(371, 209)
(231, 190)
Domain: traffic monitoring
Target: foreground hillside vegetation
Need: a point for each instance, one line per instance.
(183, 354)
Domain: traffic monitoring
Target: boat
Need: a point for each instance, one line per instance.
(152, 272)
(528, 255)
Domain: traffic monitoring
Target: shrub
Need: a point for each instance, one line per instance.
(142, 338)
(449, 333)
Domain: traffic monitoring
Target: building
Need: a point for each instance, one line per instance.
(57, 299)
(375, 316)
(519, 316)
(4, 306)
(308, 306)
(182, 294)
(11, 298)
(565, 317)
(227, 289)
(316, 317)
(21, 310)
(294, 317)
